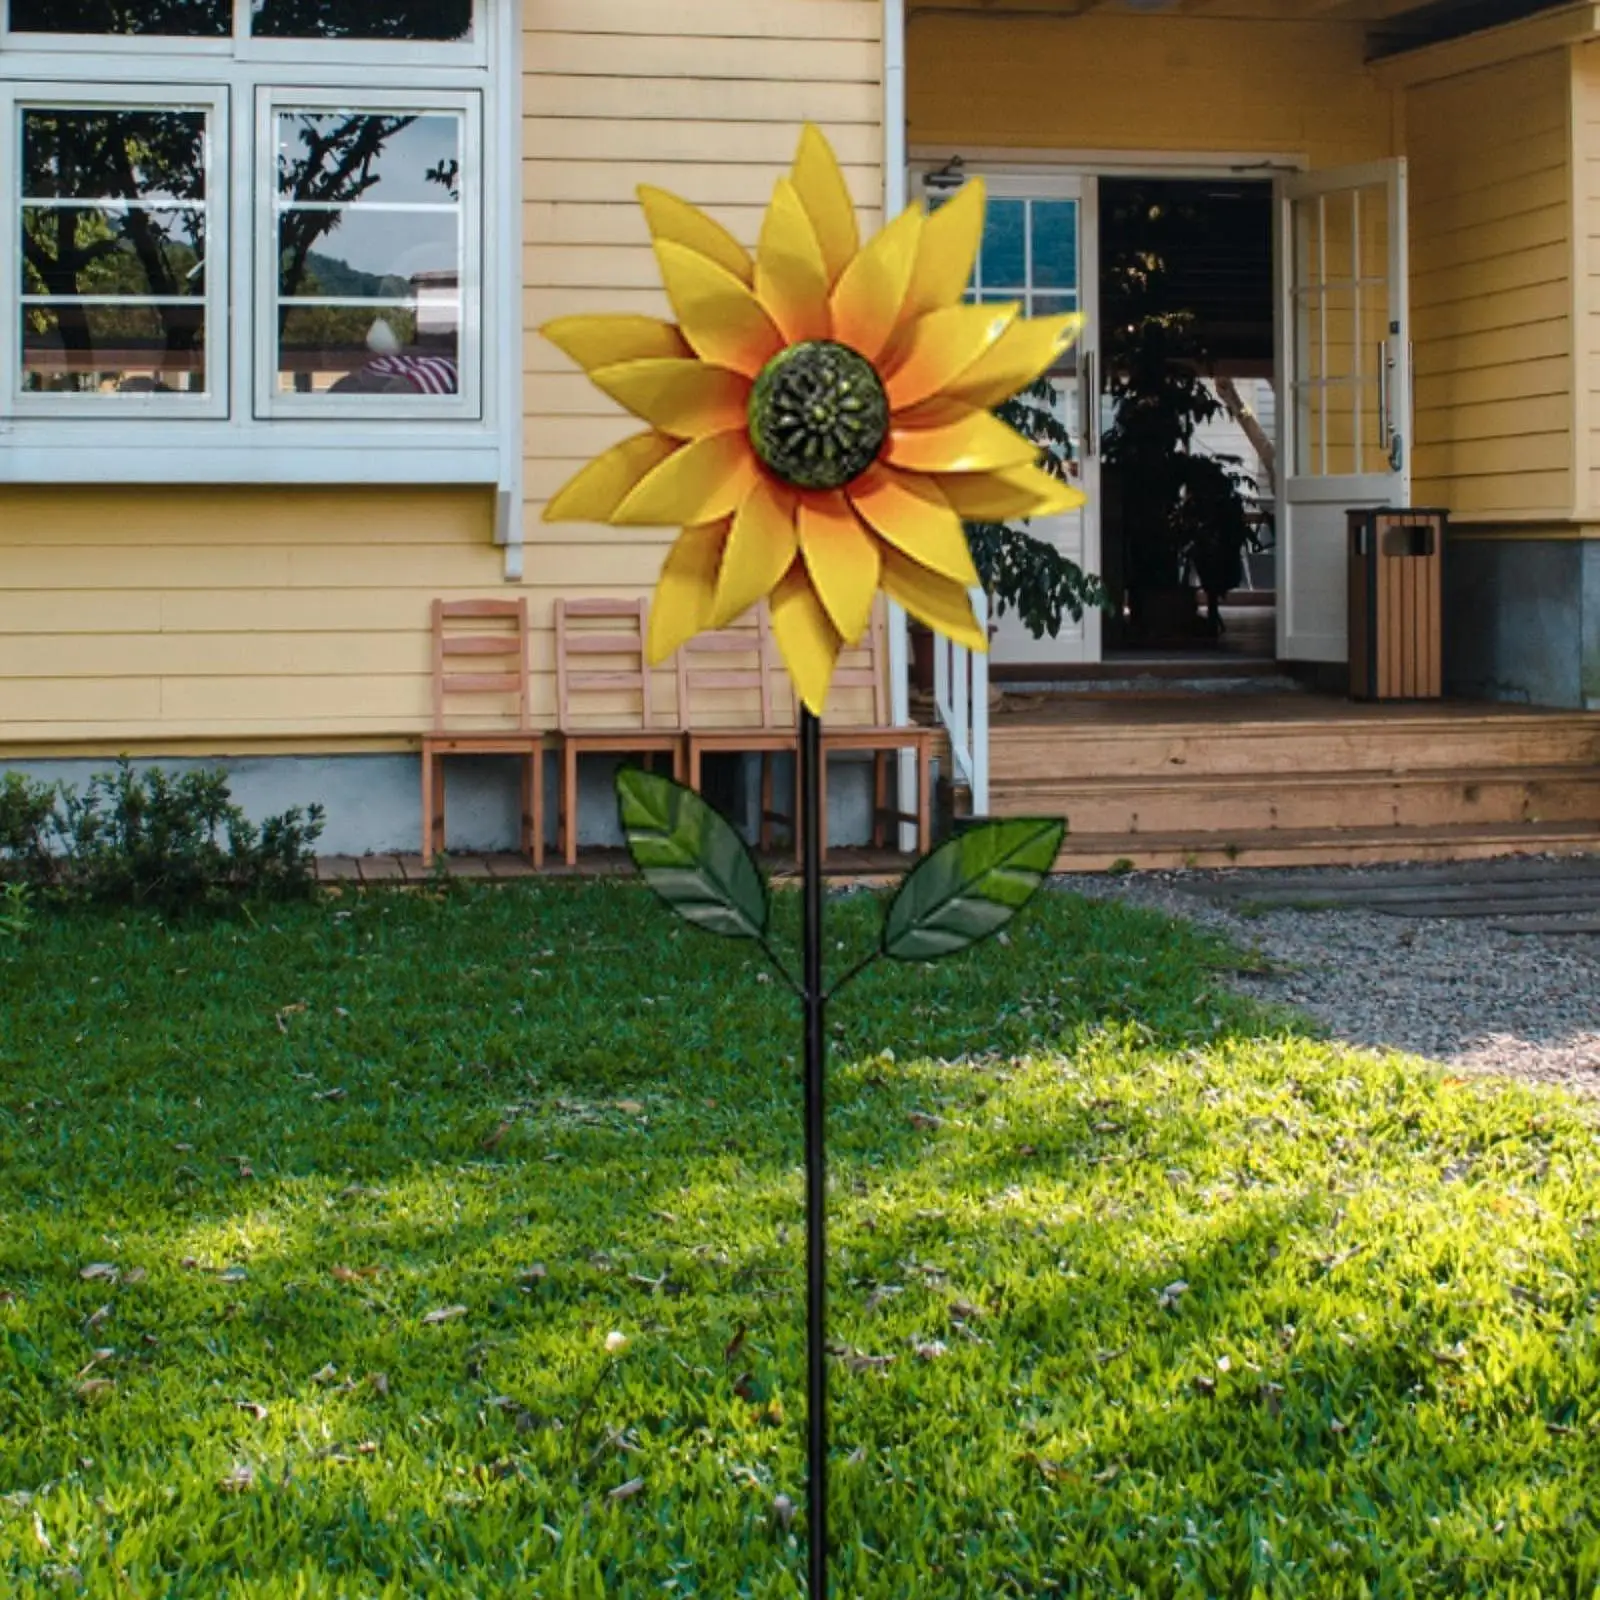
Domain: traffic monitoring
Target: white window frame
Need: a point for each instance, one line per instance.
(269, 400)
(213, 402)
(448, 447)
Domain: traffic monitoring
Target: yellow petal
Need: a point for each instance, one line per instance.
(821, 187)
(947, 251)
(719, 315)
(1012, 492)
(1027, 350)
(944, 606)
(682, 604)
(761, 548)
(807, 640)
(699, 483)
(976, 442)
(668, 217)
(843, 560)
(942, 345)
(687, 398)
(791, 276)
(604, 341)
(871, 292)
(910, 513)
(596, 492)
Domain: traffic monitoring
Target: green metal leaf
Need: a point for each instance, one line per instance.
(970, 887)
(691, 857)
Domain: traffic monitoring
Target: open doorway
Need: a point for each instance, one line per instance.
(1189, 432)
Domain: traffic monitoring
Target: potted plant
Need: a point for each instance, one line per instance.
(1020, 571)
(1182, 512)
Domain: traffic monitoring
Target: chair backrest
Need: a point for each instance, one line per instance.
(730, 662)
(592, 631)
(480, 649)
(865, 666)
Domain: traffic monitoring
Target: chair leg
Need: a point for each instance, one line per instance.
(427, 806)
(680, 762)
(525, 808)
(569, 805)
(880, 796)
(536, 773)
(764, 823)
(822, 806)
(924, 797)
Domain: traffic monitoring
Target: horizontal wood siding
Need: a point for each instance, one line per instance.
(1170, 83)
(706, 98)
(147, 617)
(151, 618)
(1492, 289)
(1586, 230)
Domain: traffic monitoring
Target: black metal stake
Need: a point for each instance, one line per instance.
(816, 1156)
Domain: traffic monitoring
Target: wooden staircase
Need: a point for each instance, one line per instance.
(1297, 780)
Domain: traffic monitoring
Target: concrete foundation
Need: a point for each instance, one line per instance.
(1522, 621)
(374, 803)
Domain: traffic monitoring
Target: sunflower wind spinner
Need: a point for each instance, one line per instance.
(819, 425)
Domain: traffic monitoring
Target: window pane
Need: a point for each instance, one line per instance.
(115, 348)
(370, 253)
(113, 231)
(126, 154)
(1055, 244)
(437, 20)
(180, 19)
(81, 250)
(1003, 262)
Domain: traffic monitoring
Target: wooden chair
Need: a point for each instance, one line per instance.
(586, 631)
(480, 652)
(881, 738)
(746, 662)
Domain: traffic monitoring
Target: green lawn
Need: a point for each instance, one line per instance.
(316, 1225)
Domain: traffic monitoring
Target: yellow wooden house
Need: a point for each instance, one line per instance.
(270, 382)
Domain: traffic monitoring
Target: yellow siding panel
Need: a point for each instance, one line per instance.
(1586, 138)
(1492, 254)
(1170, 83)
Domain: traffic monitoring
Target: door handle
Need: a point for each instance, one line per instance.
(1089, 399)
(1385, 424)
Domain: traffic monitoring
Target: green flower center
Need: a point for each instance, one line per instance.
(818, 415)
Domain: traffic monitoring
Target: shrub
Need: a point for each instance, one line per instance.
(166, 840)
(16, 912)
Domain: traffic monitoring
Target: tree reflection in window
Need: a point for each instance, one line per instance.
(370, 252)
(437, 21)
(113, 214)
(173, 19)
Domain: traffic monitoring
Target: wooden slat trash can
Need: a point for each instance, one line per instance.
(1396, 600)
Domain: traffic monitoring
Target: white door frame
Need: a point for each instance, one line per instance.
(1041, 166)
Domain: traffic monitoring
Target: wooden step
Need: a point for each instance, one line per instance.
(1079, 750)
(1338, 847)
(1200, 803)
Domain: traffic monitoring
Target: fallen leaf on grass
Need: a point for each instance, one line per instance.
(281, 1018)
(253, 1407)
(237, 1481)
(736, 1343)
(626, 1491)
(490, 1140)
(1169, 1297)
(331, 1094)
(95, 1318)
(327, 1374)
(1205, 1386)
(93, 1390)
(343, 1274)
(443, 1314)
(632, 1108)
(529, 1277)
(783, 1510)
(100, 1272)
(925, 1119)
(378, 1382)
(930, 1349)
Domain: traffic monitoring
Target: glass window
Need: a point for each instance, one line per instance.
(447, 21)
(113, 229)
(177, 19)
(370, 249)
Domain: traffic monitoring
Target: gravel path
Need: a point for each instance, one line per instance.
(1457, 991)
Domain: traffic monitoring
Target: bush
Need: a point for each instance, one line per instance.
(166, 840)
(16, 912)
